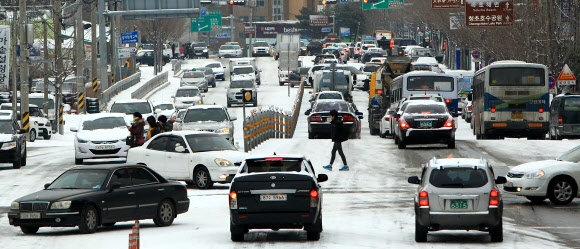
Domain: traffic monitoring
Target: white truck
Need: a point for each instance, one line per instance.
(287, 51)
(341, 81)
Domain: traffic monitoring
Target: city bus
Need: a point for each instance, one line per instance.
(426, 83)
(510, 99)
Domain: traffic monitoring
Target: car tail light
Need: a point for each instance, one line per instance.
(423, 199)
(233, 200)
(492, 108)
(470, 108)
(560, 119)
(313, 198)
(360, 52)
(493, 198)
(316, 119)
(404, 124)
(449, 123)
(447, 101)
(348, 118)
(400, 52)
(541, 109)
(379, 92)
(388, 118)
(271, 159)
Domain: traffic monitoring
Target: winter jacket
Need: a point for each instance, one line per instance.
(153, 130)
(137, 130)
(167, 127)
(337, 133)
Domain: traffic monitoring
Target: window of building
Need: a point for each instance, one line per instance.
(260, 3)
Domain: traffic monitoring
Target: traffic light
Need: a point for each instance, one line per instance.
(246, 95)
(238, 2)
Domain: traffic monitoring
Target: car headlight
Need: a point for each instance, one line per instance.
(60, 205)
(82, 141)
(9, 145)
(535, 174)
(200, 102)
(223, 162)
(15, 205)
(223, 130)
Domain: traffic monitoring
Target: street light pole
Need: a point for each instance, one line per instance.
(24, 71)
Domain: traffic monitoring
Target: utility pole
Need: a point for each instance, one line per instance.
(58, 65)
(102, 45)
(94, 74)
(251, 51)
(46, 84)
(80, 57)
(24, 70)
(14, 67)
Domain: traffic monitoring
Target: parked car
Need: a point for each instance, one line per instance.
(100, 195)
(218, 70)
(195, 78)
(187, 96)
(12, 142)
(319, 118)
(199, 158)
(39, 124)
(234, 94)
(228, 51)
(99, 136)
(425, 122)
(565, 116)
(211, 118)
(276, 192)
(38, 100)
(458, 194)
(146, 57)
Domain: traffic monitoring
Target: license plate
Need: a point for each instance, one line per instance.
(427, 124)
(458, 204)
(105, 147)
(278, 197)
(29, 215)
(517, 115)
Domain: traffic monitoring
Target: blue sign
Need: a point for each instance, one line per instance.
(476, 54)
(31, 52)
(130, 37)
(213, 41)
(203, 12)
(464, 84)
(344, 1)
(345, 32)
(552, 82)
(224, 35)
(326, 30)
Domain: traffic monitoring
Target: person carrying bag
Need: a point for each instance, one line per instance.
(137, 130)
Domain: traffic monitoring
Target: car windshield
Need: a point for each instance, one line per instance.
(430, 83)
(69, 86)
(6, 127)
(243, 70)
(201, 143)
(80, 179)
(40, 101)
(237, 47)
(571, 156)
(517, 76)
(328, 106)
(214, 65)
(104, 123)
(205, 115)
(198, 44)
(261, 44)
(193, 75)
(130, 108)
(164, 107)
(407, 42)
(187, 93)
(422, 67)
(225, 47)
(425, 109)
(371, 68)
(242, 84)
(352, 70)
(330, 96)
(274, 165)
(458, 177)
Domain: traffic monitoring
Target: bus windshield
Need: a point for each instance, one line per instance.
(430, 83)
(517, 76)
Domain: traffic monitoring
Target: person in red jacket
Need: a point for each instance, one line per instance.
(137, 129)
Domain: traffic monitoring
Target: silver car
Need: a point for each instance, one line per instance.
(234, 94)
(458, 194)
(195, 78)
(210, 118)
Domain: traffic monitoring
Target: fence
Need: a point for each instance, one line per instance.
(176, 65)
(150, 85)
(264, 124)
(120, 86)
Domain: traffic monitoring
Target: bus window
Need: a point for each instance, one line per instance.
(430, 83)
(516, 76)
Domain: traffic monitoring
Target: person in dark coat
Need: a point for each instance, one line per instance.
(164, 126)
(338, 135)
(137, 129)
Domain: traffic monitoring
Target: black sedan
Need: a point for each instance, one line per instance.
(12, 143)
(100, 195)
(424, 122)
(366, 57)
(278, 192)
(319, 118)
(146, 57)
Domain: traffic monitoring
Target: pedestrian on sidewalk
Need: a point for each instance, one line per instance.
(137, 130)
(338, 134)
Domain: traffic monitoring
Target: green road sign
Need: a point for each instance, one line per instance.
(383, 4)
(210, 22)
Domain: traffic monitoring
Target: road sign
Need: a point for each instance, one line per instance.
(489, 13)
(133, 50)
(124, 52)
(566, 77)
(476, 54)
(4, 56)
(345, 32)
(210, 22)
(249, 30)
(318, 20)
(203, 12)
(326, 30)
(224, 35)
(449, 4)
(213, 41)
(552, 82)
(344, 1)
(383, 4)
(130, 37)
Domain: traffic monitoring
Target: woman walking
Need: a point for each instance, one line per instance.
(338, 135)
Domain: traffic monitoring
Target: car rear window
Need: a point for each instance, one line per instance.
(572, 104)
(274, 165)
(458, 177)
(426, 109)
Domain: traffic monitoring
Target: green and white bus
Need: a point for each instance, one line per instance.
(510, 99)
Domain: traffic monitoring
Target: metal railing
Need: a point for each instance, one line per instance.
(150, 85)
(120, 86)
(264, 124)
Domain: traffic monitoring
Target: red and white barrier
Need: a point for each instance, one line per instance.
(134, 236)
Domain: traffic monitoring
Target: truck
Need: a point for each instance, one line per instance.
(287, 51)
(379, 93)
(384, 38)
(333, 80)
(242, 62)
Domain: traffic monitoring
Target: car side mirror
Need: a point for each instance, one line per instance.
(454, 115)
(172, 96)
(500, 180)
(359, 113)
(470, 97)
(361, 117)
(307, 112)
(46, 185)
(21, 131)
(179, 149)
(322, 178)
(114, 186)
(233, 118)
(74, 129)
(414, 180)
(396, 115)
(203, 95)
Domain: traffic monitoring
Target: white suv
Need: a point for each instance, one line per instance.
(100, 135)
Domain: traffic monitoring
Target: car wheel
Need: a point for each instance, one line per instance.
(165, 214)
(396, 138)
(110, 224)
(32, 135)
(291, 84)
(420, 232)
(311, 135)
(313, 231)
(29, 229)
(451, 143)
(23, 159)
(46, 136)
(78, 161)
(496, 232)
(229, 105)
(237, 232)
(402, 144)
(536, 199)
(562, 190)
(89, 220)
(281, 83)
(202, 178)
(383, 134)
(17, 163)
(374, 131)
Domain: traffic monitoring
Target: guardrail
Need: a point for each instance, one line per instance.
(264, 124)
(120, 86)
(150, 85)
(176, 65)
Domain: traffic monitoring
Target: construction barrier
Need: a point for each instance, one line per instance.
(150, 85)
(264, 124)
(134, 236)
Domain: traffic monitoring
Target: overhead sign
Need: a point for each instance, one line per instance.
(203, 12)
(552, 82)
(4, 56)
(124, 53)
(130, 37)
(224, 35)
(489, 13)
(383, 4)
(344, 31)
(272, 29)
(476, 54)
(325, 30)
(446, 4)
(210, 22)
(566, 77)
(318, 20)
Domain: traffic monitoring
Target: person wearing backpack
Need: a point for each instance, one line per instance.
(338, 135)
(153, 127)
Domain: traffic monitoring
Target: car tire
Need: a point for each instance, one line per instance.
(202, 179)
(374, 131)
(23, 159)
(110, 224)
(229, 105)
(292, 85)
(311, 135)
(420, 232)
(17, 164)
(165, 214)
(236, 233)
(451, 144)
(281, 83)
(29, 229)
(559, 184)
(78, 161)
(383, 134)
(46, 136)
(314, 230)
(89, 220)
(402, 145)
(496, 232)
(536, 199)
(32, 135)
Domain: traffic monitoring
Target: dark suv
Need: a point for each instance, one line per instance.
(565, 116)
(13, 147)
(424, 122)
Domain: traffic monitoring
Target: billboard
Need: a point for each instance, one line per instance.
(271, 29)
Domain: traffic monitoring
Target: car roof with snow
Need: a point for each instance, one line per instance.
(94, 116)
(185, 133)
(457, 162)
